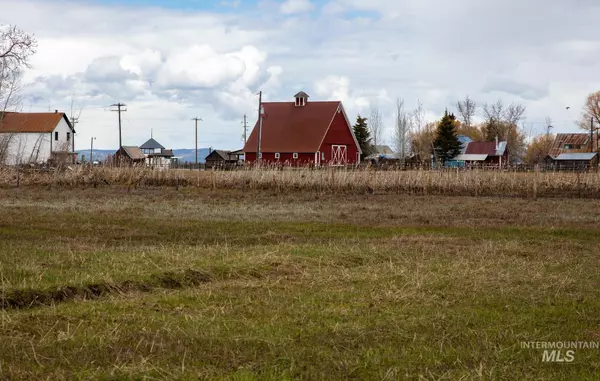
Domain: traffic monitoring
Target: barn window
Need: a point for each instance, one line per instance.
(322, 155)
(68, 136)
(295, 155)
(56, 135)
(277, 155)
(260, 155)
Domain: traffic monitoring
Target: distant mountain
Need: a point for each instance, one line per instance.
(184, 155)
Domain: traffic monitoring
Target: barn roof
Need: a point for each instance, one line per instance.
(134, 153)
(573, 139)
(151, 144)
(39, 122)
(576, 156)
(288, 128)
(485, 148)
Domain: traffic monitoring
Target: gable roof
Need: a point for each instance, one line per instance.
(485, 148)
(383, 149)
(25, 122)
(224, 155)
(134, 153)
(574, 139)
(151, 144)
(301, 94)
(287, 128)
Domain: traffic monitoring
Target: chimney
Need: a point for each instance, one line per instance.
(56, 111)
(497, 146)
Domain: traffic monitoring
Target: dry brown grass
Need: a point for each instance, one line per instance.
(424, 182)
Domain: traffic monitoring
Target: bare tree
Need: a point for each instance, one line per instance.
(466, 111)
(591, 110)
(376, 126)
(502, 122)
(401, 129)
(16, 48)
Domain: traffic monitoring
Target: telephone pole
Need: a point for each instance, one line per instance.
(120, 108)
(92, 151)
(245, 129)
(592, 134)
(259, 134)
(196, 119)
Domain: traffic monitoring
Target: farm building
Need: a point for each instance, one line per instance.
(581, 160)
(304, 133)
(485, 153)
(27, 138)
(221, 158)
(156, 154)
(130, 155)
(572, 143)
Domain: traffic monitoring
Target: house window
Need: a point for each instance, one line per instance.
(68, 136)
(277, 155)
(295, 155)
(56, 135)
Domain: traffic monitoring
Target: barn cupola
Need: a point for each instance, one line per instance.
(301, 99)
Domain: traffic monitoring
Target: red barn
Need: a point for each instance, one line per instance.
(304, 133)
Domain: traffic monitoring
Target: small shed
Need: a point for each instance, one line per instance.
(129, 155)
(220, 157)
(584, 160)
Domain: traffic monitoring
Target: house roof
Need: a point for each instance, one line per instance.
(134, 153)
(485, 148)
(383, 149)
(576, 156)
(151, 144)
(31, 122)
(471, 157)
(287, 128)
(574, 139)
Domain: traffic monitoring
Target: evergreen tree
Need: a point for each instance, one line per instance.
(447, 146)
(363, 136)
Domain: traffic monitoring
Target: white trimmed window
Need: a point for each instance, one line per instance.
(295, 155)
(322, 155)
(260, 155)
(277, 155)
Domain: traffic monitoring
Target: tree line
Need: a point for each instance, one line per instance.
(413, 137)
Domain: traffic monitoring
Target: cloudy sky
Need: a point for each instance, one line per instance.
(172, 60)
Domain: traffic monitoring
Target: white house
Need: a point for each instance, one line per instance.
(35, 138)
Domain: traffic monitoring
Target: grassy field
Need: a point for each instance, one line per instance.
(215, 284)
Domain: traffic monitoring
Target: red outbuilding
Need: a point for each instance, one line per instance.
(304, 133)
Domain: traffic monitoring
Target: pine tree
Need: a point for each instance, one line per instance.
(447, 146)
(363, 136)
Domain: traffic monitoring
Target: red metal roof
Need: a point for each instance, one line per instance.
(290, 128)
(481, 148)
(30, 122)
(572, 139)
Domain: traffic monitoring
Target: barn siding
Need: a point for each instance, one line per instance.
(339, 134)
(284, 158)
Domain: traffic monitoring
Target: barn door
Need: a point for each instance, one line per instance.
(338, 154)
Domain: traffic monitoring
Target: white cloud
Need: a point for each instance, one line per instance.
(169, 65)
(289, 7)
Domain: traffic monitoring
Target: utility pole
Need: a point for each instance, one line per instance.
(259, 134)
(120, 108)
(196, 119)
(92, 151)
(245, 129)
(592, 134)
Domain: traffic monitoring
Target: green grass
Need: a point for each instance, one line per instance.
(226, 285)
